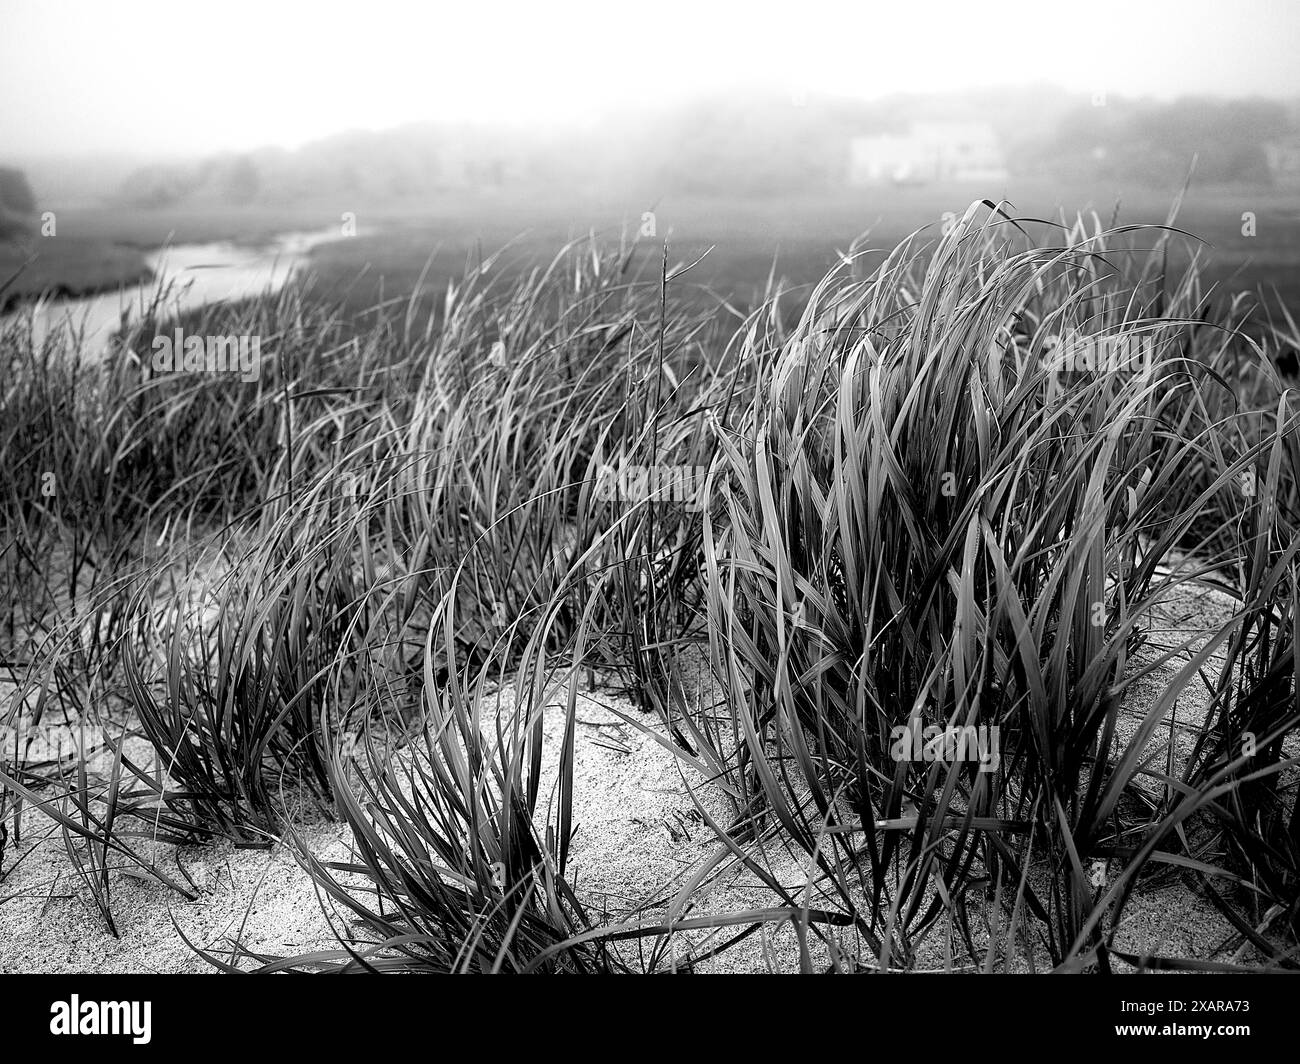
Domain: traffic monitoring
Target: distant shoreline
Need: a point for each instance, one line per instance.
(126, 268)
(176, 278)
(98, 250)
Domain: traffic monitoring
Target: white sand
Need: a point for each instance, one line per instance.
(638, 838)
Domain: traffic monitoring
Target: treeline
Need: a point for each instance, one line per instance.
(1156, 143)
(755, 145)
(17, 204)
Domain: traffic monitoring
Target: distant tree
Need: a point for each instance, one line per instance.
(1226, 138)
(156, 186)
(15, 192)
(242, 181)
(1157, 142)
(762, 146)
(17, 204)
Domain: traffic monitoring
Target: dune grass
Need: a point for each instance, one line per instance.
(926, 526)
(367, 577)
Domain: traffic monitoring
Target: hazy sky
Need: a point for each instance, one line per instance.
(176, 76)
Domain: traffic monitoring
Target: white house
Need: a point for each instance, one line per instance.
(929, 151)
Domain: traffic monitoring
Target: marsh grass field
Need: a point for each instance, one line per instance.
(746, 240)
(760, 519)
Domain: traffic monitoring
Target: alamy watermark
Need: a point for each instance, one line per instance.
(1075, 352)
(77, 1017)
(679, 484)
(179, 353)
(48, 742)
(947, 743)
